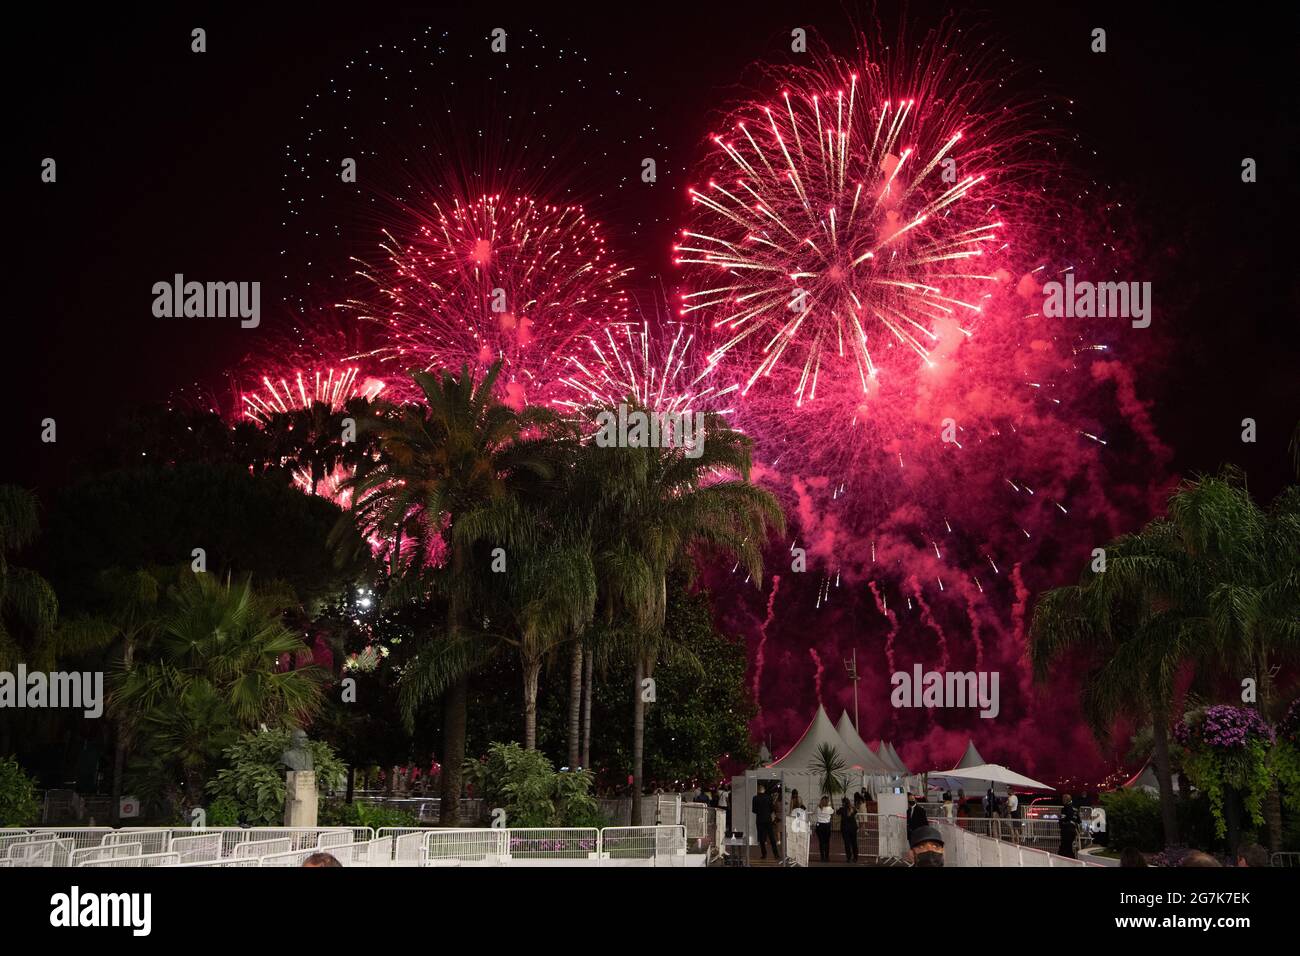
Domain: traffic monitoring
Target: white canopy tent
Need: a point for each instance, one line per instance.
(984, 775)
(878, 773)
(861, 753)
(971, 758)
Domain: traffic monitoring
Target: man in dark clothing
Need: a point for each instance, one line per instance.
(916, 815)
(1069, 827)
(762, 807)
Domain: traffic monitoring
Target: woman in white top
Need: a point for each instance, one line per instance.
(823, 818)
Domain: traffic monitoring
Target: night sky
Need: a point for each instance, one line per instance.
(171, 161)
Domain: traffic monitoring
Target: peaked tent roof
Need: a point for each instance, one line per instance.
(887, 756)
(860, 752)
(971, 758)
(897, 759)
(820, 731)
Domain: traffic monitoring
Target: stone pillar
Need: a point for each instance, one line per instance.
(300, 798)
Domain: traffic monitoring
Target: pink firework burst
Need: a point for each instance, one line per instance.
(849, 223)
(283, 392)
(500, 277)
(655, 361)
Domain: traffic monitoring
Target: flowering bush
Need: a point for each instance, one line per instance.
(1228, 747)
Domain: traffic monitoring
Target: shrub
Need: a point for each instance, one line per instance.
(253, 780)
(339, 814)
(1133, 819)
(18, 806)
(525, 784)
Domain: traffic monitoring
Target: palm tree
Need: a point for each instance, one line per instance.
(1247, 605)
(128, 617)
(830, 767)
(212, 670)
(1127, 620)
(449, 468)
(648, 508)
(29, 609)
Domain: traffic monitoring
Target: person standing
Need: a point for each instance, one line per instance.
(916, 815)
(947, 805)
(849, 829)
(824, 815)
(1069, 827)
(762, 807)
(1013, 815)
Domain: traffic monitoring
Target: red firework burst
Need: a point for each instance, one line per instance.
(852, 222)
(501, 277)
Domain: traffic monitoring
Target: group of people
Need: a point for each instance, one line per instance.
(769, 813)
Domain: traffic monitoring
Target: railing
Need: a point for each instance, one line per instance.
(962, 847)
(357, 846)
(1284, 859)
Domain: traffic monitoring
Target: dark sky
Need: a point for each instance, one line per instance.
(173, 162)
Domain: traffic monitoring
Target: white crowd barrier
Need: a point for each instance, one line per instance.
(351, 846)
(962, 847)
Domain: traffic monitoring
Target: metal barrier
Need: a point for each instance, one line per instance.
(534, 846)
(111, 851)
(148, 859)
(963, 848)
(455, 847)
(406, 847)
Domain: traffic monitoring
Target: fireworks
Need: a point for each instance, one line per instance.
(850, 223)
(654, 361)
(500, 277)
(331, 387)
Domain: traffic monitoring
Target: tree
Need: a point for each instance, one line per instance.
(1246, 614)
(831, 768)
(1127, 622)
(18, 804)
(29, 609)
(450, 469)
(649, 508)
(126, 616)
(212, 672)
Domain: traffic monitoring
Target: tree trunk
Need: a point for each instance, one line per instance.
(1273, 799)
(1168, 811)
(455, 702)
(638, 739)
(532, 668)
(575, 706)
(119, 746)
(453, 746)
(588, 665)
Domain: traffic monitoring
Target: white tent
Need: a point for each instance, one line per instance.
(898, 761)
(971, 758)
(1145, 779)
(988, 773)
(887, 756)
(801, 756)
(860, 753)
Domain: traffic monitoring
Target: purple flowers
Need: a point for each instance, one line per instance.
(1224, 727)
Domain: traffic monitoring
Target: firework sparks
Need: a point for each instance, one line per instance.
(332, 387)
(848, 224)
(503, 278)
